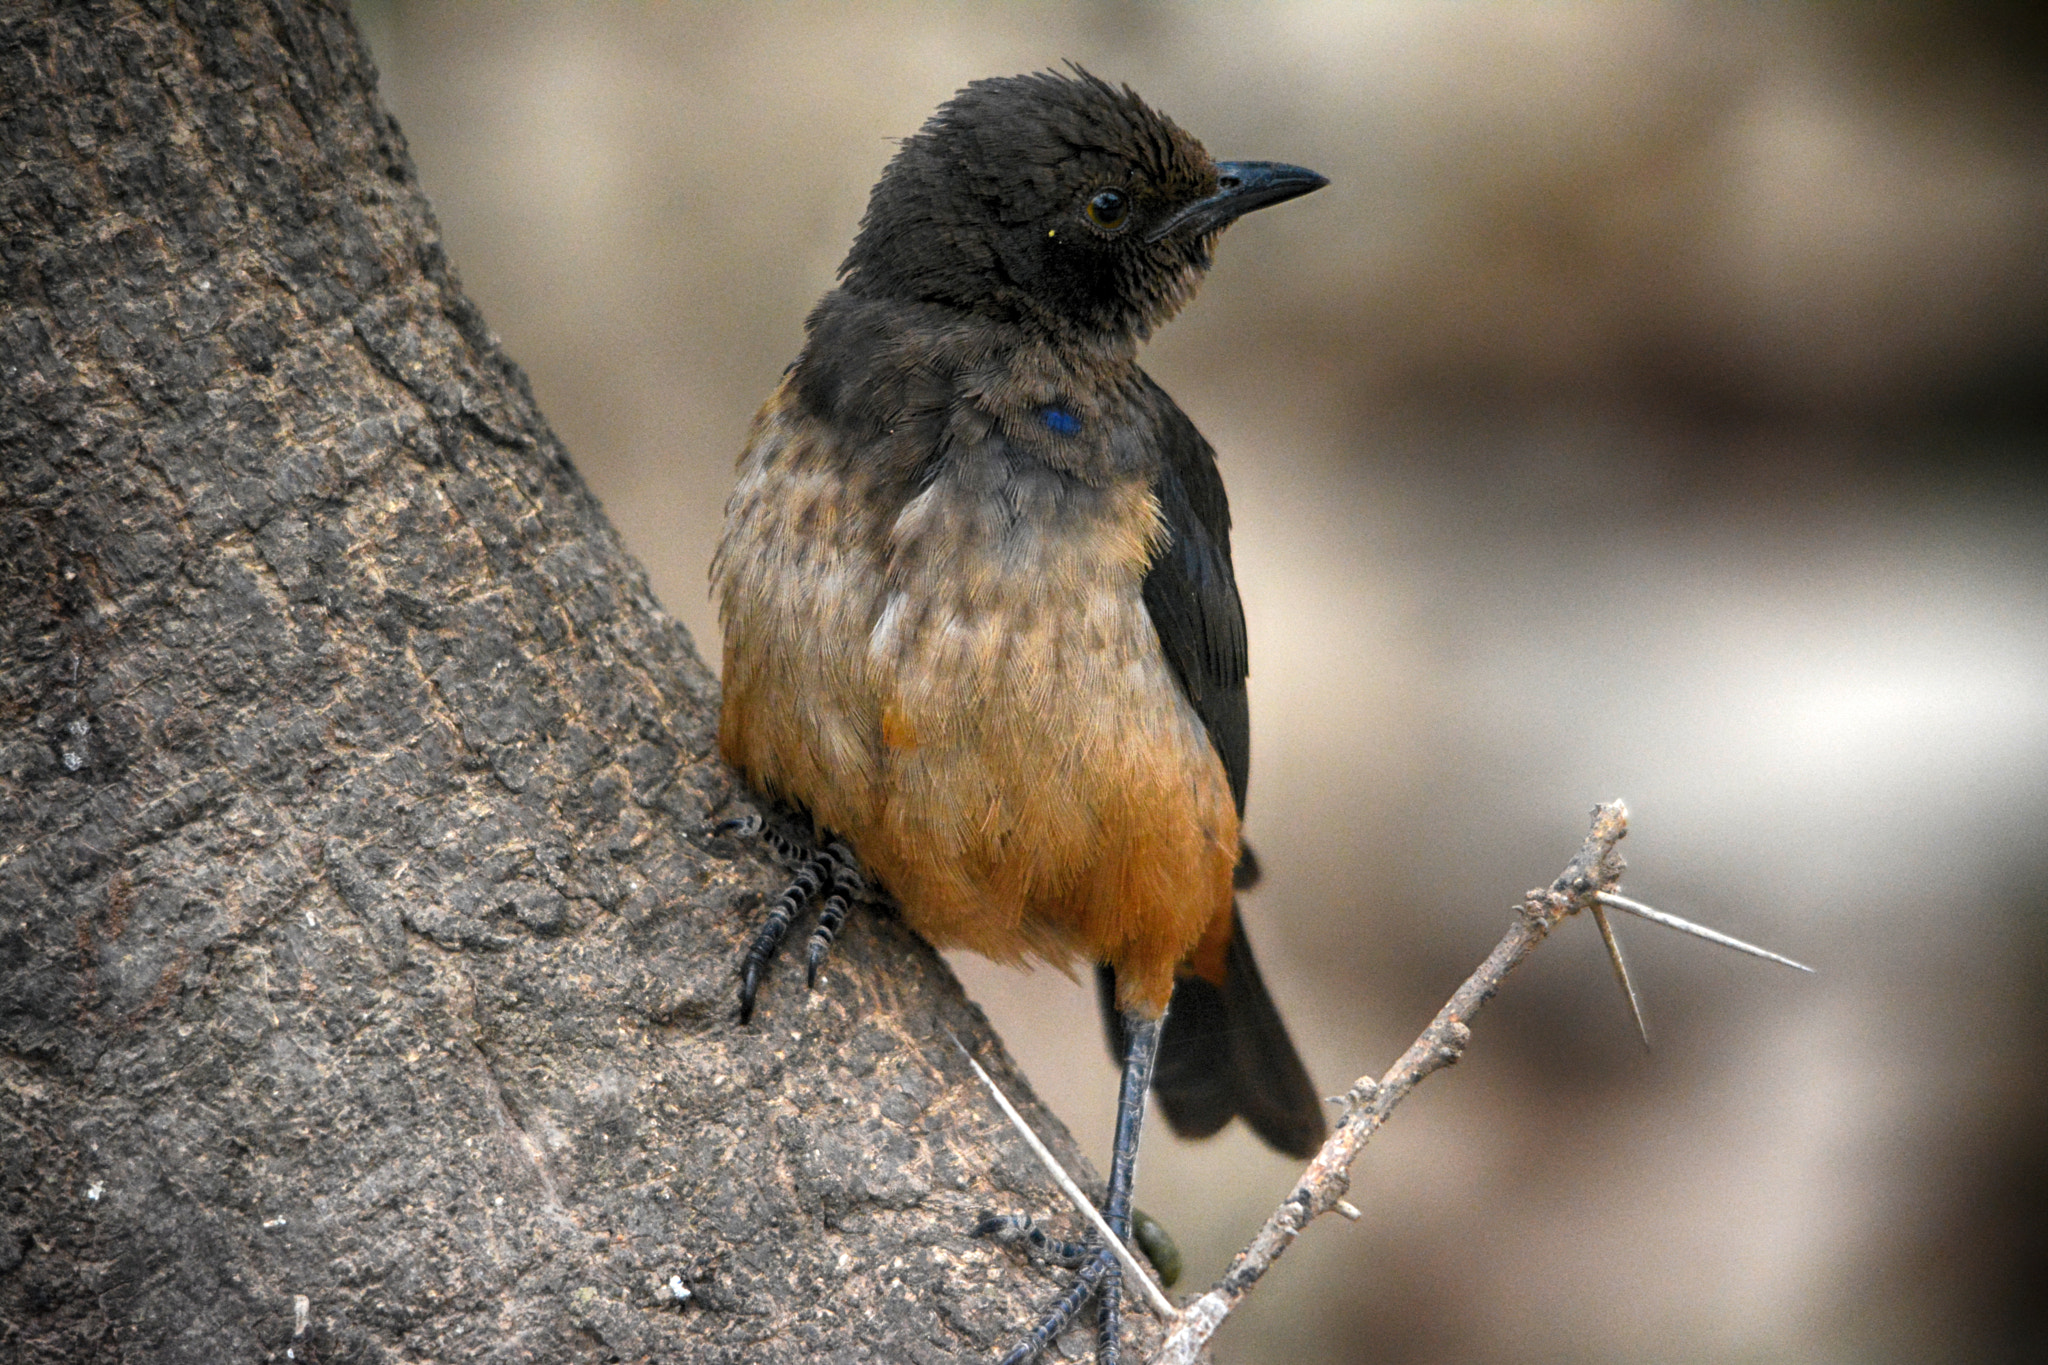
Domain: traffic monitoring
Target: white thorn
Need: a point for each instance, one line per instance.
(1686, 926)
(1628, 987)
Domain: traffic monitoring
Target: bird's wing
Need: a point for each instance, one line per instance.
(1191, 592)
(1224, 1050)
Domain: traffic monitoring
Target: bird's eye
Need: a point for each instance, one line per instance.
(1109, 210)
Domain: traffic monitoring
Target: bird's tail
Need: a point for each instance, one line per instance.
(1224, 1052)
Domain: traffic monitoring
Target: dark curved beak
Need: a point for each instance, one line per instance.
(1241, 186)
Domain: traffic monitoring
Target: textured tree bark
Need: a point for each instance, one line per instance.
(366, 962)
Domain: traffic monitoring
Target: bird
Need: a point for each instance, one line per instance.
(981, 625)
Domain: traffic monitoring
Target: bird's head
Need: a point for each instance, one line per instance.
(1058, 201)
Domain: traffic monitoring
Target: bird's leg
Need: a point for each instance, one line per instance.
(1141, 1050)
(1102, 1275)
(834, 865)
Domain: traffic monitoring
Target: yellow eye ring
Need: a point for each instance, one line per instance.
(1109, 210)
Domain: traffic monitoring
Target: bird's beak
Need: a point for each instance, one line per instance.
(1241, 186)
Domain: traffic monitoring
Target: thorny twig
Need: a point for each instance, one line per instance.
(1595, 871)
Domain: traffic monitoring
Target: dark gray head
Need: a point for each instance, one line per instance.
(1058, 201)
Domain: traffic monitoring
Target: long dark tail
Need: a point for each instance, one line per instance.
(1225, 1052)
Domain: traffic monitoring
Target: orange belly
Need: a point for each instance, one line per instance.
(977, 701)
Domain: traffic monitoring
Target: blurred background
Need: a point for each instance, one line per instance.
(1652, 407)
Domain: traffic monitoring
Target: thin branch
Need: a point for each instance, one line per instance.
(1595, 870)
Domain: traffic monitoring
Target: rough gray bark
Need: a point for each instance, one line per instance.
(366, 968)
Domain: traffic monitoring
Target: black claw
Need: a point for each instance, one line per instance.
(766, 940)
(746, 826)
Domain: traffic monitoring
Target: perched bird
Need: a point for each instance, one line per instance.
(980, 619)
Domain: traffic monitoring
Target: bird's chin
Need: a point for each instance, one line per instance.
(1177, 289)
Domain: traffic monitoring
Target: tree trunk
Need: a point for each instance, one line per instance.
(366, 956)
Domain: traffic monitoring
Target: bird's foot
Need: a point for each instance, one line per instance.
(832, 866)
(1099, 1275)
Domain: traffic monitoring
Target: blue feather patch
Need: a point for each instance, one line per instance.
(1061, 421)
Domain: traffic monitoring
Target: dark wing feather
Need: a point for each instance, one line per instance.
(1274, 1092)
(1224, 1050)
(1191, 592)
